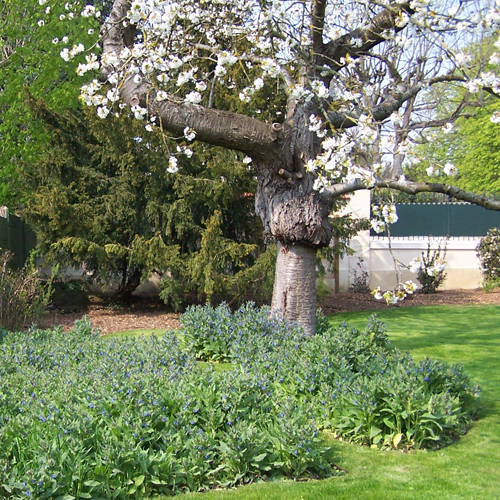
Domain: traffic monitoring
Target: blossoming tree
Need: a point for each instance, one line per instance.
(352, 74)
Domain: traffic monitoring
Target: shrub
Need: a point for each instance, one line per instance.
(127, 417)
(216, 334)
(354, 382)
(90, 416)
(488, 252)
(430, 268)
(23, 295)
(360, 278)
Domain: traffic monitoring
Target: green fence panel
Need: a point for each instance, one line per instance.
(17, 237)
(443, 219)
(4, 233)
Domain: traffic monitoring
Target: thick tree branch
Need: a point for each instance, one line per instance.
(221, 128)
(114, 35)
(370, 36)
(414, 188)
(317, 25)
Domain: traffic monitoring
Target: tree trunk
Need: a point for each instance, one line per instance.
(294, 294)
(296, 216)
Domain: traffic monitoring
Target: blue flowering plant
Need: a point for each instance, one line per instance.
(86, 416)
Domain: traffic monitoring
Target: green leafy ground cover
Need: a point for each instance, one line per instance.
(468, 468)
(129, 416)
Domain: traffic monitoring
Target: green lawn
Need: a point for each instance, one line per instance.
(470, 468)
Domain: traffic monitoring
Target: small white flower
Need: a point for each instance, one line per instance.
(113, 95)
(390, 297)
(193, 97)
(102, 111)
(414, 265)
(247, 160)
(65, 54)
(409, 287)
(172, 165)
(201, 86)
(88, 11)
(495, 117)
(377, 225)
(449, 169)
(448, 128)
(377, 293)
(139, 112)
(81, 69)
(258, 83)
(161, 95)
(189, 134)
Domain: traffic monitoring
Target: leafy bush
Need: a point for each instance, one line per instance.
(23, 295)
(216, 334)
(355, 382)
(488, 252)
(430, 268)
(91, 417)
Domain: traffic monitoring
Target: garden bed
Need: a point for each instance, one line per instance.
(113, 319)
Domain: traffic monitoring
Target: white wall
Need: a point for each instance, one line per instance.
(462, 265)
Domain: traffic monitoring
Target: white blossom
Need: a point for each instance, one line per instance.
(189, 134)
(495, 117)
(258, 83)
(161, 95)
(172, 165)
(449, 169)
(102, 111)
(193, 97)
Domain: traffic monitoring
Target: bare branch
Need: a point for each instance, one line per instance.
(452, 117)
(380, 112)
(392, 103)
(370, 36)
(414, 188)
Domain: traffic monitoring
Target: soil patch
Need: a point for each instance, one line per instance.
(110, 320)
(351, 301)
(117, 319)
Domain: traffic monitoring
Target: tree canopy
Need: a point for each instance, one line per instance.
(102, 199)
(355, 80)
(30, 49)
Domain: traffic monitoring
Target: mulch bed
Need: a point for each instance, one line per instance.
(351, 301)
(116, 319)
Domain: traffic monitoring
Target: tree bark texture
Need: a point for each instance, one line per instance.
(294, 294)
